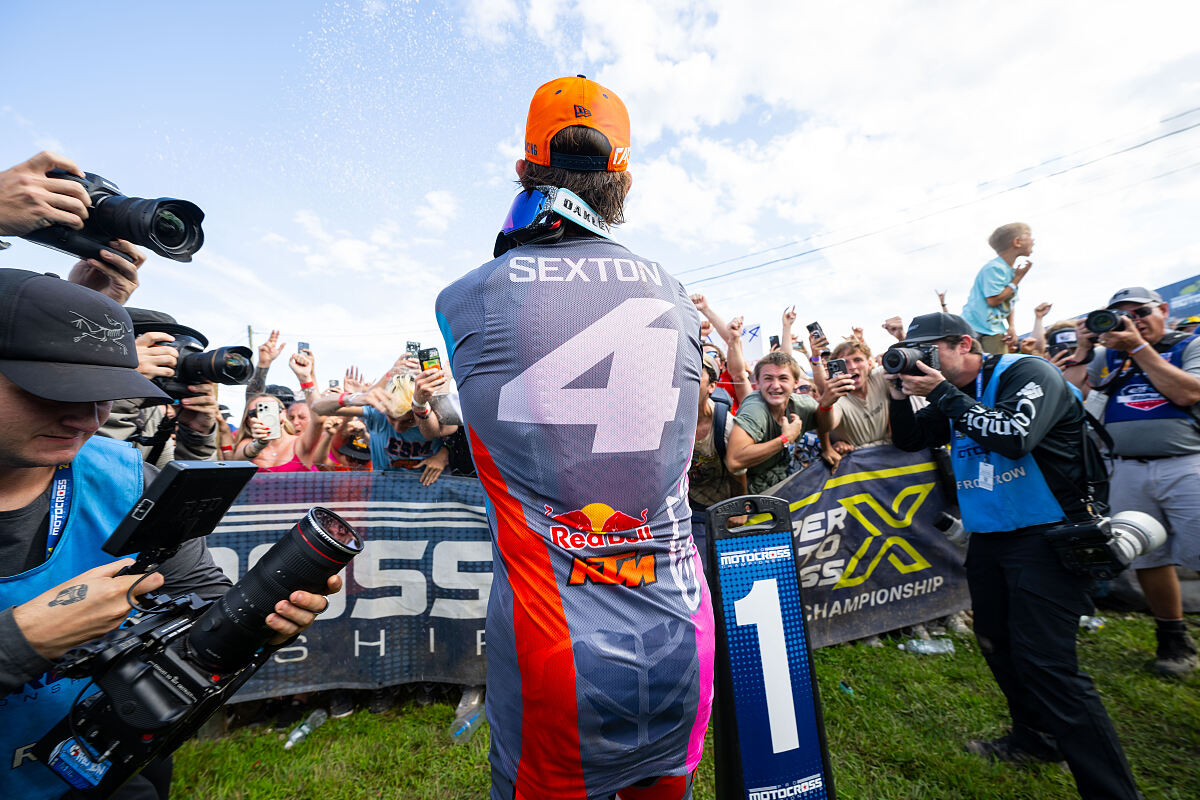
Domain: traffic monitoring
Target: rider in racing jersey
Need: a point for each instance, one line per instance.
(578, 367)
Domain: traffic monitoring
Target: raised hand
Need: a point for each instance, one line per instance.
(269, 350)
(353, 382)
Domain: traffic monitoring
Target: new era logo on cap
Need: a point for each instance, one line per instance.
(580, 111)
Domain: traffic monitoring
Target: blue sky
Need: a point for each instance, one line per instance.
(354, 157)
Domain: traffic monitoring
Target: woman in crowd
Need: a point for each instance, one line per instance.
(290, 451)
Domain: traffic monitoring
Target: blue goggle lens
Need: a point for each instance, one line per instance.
(525, 209)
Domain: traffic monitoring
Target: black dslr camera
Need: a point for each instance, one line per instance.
(230, 365)
(1104, 320)
(167, 226)
(900, 359)
(169, 667)
(1101, 547)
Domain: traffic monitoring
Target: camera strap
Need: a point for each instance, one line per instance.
(60, 505)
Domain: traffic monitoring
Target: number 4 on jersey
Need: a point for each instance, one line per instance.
(630, 412)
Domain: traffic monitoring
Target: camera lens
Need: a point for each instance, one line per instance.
(234, 627)
(167, 226)
(1136, 533)
(898, 360)
(228, 365)
(169, 229)
(1102, 321)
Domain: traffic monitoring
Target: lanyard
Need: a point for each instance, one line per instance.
(60, 504)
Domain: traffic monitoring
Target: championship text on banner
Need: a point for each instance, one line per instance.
(871, 559)
(415, 599)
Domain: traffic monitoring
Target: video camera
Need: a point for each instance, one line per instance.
(167, 226)
(902, 359)
(230, 365)
(170, 666)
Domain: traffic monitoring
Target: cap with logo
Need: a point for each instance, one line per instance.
(1135, 294)
(63, 342)
(571, 101)
(939, 325)
(356, 448)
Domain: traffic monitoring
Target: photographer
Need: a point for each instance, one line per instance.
(1149, 384)
(150, 427)
(1016, 433)
(55, 392)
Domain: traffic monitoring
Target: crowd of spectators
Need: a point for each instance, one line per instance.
(758, 422)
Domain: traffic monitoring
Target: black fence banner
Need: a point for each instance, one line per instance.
(415, 599)
(871, 559)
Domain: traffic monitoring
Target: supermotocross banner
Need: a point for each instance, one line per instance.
(415, 599)
(872, 560)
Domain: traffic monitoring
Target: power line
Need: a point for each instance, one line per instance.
(985, 183)
(955, 207)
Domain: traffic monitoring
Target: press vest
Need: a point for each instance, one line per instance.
(1137, 400)
(107, 477)
(1018, 496)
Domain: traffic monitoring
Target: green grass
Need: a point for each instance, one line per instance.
(897, 737)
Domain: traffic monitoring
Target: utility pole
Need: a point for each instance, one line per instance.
(249, 337)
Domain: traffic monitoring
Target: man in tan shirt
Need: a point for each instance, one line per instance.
(854, 404)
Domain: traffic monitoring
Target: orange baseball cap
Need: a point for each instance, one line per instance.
(577, 101)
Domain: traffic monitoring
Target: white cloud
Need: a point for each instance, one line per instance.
(490, 20)
(438, 211)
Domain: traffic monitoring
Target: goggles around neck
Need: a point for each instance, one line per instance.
(538, 216)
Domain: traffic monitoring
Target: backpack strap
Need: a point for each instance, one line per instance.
(720, 420)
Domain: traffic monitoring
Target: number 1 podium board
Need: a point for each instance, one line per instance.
(769, 732)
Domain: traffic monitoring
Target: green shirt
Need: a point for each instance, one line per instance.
(754, 417)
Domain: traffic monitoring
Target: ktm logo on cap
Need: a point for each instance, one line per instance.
(620, 156)
(580, 111)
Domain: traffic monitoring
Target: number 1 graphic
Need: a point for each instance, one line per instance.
(760, 608)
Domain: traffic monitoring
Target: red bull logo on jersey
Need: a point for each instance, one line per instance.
(597, 525)
(623, 569)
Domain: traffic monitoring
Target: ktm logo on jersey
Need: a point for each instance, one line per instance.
(622, 569)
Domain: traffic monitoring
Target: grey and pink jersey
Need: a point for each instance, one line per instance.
(578, 369)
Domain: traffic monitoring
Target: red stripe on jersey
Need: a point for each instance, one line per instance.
(550, 765)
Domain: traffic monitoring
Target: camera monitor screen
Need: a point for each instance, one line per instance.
(186, 500)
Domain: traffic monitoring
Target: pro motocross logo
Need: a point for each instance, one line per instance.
(818, 536)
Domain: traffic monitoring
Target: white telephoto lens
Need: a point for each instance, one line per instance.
(1137, 533)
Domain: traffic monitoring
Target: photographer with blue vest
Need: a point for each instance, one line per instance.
(1016, 432)
(66, 352)
(1149, 378)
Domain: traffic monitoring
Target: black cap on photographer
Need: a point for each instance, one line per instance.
(931, 327)
(60, 341)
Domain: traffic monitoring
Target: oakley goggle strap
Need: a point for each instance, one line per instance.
(536, 217)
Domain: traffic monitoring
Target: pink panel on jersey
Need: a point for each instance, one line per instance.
(706, 644)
